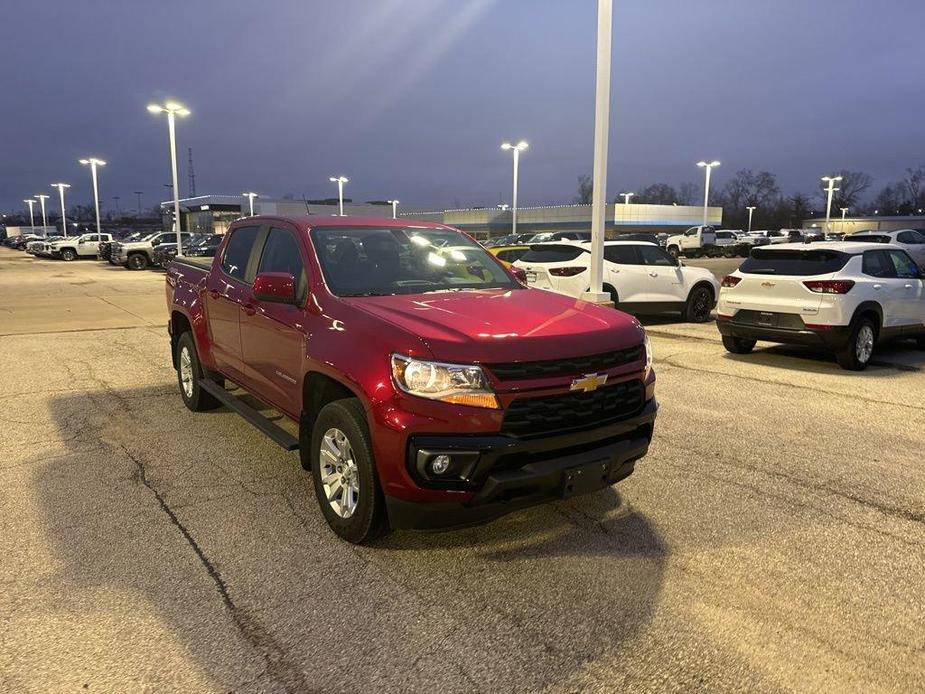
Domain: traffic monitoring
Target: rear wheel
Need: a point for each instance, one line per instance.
(344, 473)
(68, 254)
(614, 297)
(699, 305)
(137, 261)
(738, 345)
(674, 251)
(855, 355)
(189, 371)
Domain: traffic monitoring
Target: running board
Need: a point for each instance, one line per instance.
(279, 435)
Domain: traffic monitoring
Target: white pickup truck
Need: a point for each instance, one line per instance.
(695, 242)
(73, 247)
(138, 255)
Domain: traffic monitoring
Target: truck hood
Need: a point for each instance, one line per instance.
(504, 325)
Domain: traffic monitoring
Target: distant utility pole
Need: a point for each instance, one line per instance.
(118, 209)
(192, 175)
(138, 195)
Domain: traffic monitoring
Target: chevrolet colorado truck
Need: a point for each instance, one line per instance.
(425, 385)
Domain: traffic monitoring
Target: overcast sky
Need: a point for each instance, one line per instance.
(412, 98)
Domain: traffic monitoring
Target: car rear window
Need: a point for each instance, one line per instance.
(763, 261)
(869, 238)
(551, 254)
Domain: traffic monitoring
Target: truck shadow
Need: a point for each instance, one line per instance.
(204, 525)
(890, 359)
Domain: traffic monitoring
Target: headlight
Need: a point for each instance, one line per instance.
(460, 384)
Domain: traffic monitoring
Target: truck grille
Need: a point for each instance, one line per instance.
(556, 414)
(573, 366)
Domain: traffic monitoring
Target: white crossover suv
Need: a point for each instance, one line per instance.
(640, 277)
(912, 241)
(844, 296)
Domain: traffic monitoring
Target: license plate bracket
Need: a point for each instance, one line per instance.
(584, 478)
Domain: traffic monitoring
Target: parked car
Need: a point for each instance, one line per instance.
(73, 247)
(640, 277)
(205, 248)
(694, 242)
(844, 296)
(164, 253)
(911, 241)
(431, 389)
(638, 236)
(105, 252)
(137, 255)
(785, 236)
(42, 246)
(509, 240)
(508, 254)
(548, 236)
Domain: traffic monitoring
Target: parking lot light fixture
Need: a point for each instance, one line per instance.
(340, 181)
(517, 149)
(830, 189)
(394, 204)
(250, 200)
(173, 109)
(626, 197)
(504, 207)
(751, 210)
(42, 198)
(61, 187)
(93, 163)
(844, 212)
(31, 203)
(708, 167)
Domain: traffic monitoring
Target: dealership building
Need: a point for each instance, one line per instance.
(214, 213)
(851, 225)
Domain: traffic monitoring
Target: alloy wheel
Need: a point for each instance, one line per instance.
(186, 372)
(864, 346)
(339, 474)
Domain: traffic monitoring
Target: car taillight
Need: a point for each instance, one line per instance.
(829, 286)
(566, 271)
(731, 280)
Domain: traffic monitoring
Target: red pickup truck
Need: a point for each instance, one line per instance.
(431, 388)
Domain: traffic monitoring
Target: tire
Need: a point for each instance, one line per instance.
(856, 354)
(738, 345)
(674, 251)
(614, 297)
(699, 305)
(68, 254)
(189, 368)
(355, 511)
(137, 261)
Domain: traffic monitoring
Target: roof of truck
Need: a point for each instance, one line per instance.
(307, 221)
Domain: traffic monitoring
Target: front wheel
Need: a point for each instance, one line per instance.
(855, 355)
(137, 261)
(344, 473)
(699, 305)
(68, 254)
(738, 345)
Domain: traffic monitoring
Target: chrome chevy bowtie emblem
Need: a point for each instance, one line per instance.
(589, 382)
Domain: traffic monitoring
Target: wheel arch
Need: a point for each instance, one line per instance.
(870, 309)
(319, 389)
(706, 285)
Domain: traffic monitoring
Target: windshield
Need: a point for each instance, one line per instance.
(369, 261)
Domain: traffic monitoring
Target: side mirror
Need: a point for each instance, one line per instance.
(276, 287)
(519, 274)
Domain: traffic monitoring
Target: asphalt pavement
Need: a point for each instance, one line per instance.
(772, 540)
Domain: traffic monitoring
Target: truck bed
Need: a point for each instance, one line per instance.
(200, 263)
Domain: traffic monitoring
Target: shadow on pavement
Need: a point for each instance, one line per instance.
(202, 523)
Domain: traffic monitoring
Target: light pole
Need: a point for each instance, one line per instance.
(42, 198)
(595, 291)
(31, 204)
(250, 201)
(173, 109)
(340, 181)
(706, 187)
(93, 162)
(61, 187)
(138, 195)
(518, 148)
(394, 204)
(751, 209)
(830, 189)
(626, 197)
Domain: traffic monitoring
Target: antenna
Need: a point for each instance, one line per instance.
(192, 175)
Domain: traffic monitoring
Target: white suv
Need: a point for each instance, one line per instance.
(840, 295)
(640, 277)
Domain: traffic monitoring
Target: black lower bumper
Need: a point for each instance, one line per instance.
(552, 468)
(833, 338)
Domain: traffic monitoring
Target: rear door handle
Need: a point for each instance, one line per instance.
(653, 274)
(877, 286)
(249, 309)
(908, 286)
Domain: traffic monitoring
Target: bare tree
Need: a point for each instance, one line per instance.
(851, 188)
(657, 194)
(688, 193)
(913, 182)
(585, 190)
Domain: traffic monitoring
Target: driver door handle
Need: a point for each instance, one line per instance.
(653, 274)
(249, 309)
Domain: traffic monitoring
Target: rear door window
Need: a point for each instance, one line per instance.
(551, 254)
(238, 252)
(905, 268)
(910, 237)
(793, 262)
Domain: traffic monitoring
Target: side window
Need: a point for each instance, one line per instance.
(905, 268)
(281, 254)
(913, 238)
(653, 255)
(238, 252)
(878, 264)
(622, 255)
(691, 232)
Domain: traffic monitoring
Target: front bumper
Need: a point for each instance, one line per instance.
(832, 337)
(512, 473)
